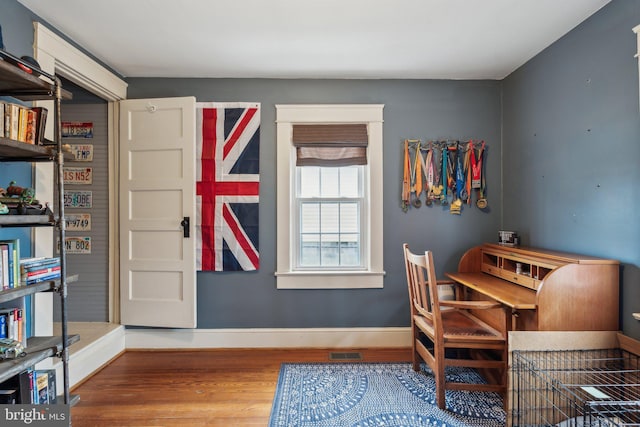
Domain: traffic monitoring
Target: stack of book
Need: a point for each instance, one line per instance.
(22, 123)
(9, 271)
(12, 325)
(40, 269)
(30, 387)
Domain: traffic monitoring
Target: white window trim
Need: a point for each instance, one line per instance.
(286, 117)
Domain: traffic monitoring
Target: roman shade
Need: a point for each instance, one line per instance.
(330, 144)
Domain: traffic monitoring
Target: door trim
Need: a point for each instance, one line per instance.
(57, 56)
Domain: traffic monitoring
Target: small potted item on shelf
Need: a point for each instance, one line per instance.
(21, 201)
(4, 209)
(11, 349)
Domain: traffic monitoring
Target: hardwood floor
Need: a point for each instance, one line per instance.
(230, 387)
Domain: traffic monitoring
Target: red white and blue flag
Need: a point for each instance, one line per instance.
(227, 188)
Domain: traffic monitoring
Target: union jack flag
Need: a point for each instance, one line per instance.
(227, 188)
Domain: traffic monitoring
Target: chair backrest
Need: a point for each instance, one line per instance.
(423, 286)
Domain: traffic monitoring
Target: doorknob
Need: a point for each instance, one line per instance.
(185, 226)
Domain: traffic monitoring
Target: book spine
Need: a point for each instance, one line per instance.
(2, 118)
(26, 267)
(10, 264)
(41, 123)
(14, 121)
(42, 272)
(5, 265)
(44, 278)
(3, 325)
(22, 124)
(21, 327)
(30, 132)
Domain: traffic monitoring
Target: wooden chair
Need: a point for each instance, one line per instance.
(446, 333)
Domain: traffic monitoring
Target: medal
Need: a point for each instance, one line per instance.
(429, 168)
(482, 202)
(444, 184)
(418, 177)
(406, 177)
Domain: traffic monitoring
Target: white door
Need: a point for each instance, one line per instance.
(157, 195)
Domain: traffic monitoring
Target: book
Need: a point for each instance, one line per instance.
(41, 124)
(30, 131)
(4, 248)
(7, 264)
(46, 275)
(42, 271)
(31, 264)
(2, 267)
(22, 124)
(51, 384)
(12, 120)
(2, 119)
(42, 387)
(3, 326)
(27, 318)
(21, 327)
(43, 278)
(13, 262)
(11, 327)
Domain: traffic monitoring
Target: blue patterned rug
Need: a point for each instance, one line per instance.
(376, 394)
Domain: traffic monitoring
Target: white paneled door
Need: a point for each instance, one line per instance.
(157, 212)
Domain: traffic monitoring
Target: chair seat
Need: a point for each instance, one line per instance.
(459, 325)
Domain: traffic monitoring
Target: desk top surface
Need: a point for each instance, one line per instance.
(507, 293)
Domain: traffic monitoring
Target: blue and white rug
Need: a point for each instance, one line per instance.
(376, 394)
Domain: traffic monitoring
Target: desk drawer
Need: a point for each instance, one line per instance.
(520, 279)
(491, 269)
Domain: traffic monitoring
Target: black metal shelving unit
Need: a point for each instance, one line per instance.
(38, 85)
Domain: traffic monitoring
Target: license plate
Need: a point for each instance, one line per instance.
(78, 245)
(78, 175)
(77, 129)
(82, 152)
(78, 222)
(78, 199)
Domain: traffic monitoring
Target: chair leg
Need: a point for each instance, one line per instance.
(439, 377)
(415, 357)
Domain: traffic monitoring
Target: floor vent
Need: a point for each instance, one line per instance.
(348, 355)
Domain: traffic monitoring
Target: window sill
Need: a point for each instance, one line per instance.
(330, 280)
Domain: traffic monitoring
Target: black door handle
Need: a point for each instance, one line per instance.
(185, 227)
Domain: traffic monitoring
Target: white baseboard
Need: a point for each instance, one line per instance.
(92, 357)
(268, 338)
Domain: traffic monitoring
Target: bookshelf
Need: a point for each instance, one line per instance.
(23, 86)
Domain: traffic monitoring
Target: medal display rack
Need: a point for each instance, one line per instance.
(445, 173)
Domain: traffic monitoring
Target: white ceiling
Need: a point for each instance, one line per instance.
(435, 39)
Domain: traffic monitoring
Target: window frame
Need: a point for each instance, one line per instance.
(287, 277)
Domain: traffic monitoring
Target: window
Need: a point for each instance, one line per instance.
(329, 222)
(329, 204)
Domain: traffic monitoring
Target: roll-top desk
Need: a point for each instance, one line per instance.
(542, 290)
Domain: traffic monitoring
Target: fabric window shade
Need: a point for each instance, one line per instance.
(330, 145)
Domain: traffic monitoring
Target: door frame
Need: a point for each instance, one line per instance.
(57, 56)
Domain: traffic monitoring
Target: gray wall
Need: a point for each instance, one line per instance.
(572, 147)
(413, 109)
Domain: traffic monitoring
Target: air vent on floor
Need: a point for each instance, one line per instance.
(347, 355)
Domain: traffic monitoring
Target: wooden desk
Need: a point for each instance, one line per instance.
(542, 290)
(514, 296)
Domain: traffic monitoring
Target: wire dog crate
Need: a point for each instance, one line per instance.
(575, 388)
